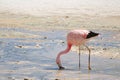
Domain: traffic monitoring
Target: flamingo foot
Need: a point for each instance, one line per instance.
(89, 68)
(61, 68)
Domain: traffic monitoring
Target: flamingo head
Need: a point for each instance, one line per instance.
(59, 65)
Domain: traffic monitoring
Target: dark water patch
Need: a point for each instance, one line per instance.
(51, 68)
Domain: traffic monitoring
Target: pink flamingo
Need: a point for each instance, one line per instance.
(76, 37)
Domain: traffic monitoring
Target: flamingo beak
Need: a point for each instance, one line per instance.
(60, 67)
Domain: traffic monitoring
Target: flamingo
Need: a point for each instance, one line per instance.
(78, 38)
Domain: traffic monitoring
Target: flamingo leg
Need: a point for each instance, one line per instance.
(88, 57)
(79, 57)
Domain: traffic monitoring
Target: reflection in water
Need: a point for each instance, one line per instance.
(89, 75)
(72, 74)
(59, 74)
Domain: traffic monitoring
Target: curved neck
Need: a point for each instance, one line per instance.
(58, 61)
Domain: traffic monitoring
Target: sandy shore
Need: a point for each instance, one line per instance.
(59, 21)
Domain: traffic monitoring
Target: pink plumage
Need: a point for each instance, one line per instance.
(76, 37)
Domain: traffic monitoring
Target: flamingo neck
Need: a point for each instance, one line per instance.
(58, 61)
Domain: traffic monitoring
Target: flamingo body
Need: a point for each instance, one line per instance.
(77, 37)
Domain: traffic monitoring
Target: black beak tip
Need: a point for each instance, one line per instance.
(61, 68)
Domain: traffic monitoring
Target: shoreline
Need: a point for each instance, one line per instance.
(11, 20)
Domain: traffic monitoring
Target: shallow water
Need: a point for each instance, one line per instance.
(34, 58)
